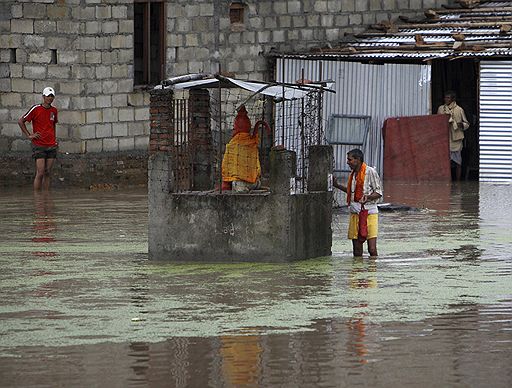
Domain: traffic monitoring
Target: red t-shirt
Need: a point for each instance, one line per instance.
(43, 121)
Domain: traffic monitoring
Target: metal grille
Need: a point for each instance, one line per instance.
(182, 148)
(298, 126)
(496, 121)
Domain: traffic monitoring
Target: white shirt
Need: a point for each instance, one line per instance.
(371, 185)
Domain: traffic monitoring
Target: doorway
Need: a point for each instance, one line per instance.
(461, 76)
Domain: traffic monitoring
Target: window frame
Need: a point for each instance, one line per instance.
(146, 38)
(236, 13)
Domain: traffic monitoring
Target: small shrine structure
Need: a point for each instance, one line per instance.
(192, 217)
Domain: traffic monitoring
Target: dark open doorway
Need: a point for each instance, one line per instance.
(461, 76)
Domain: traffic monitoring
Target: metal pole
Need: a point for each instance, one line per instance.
(219, 113)
(320, 107)
(262, 143)
(302, 146)
(282, 109)
(179, 171)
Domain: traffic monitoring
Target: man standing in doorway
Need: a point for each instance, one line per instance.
(363, 188)
(44, 144)
(458, 123)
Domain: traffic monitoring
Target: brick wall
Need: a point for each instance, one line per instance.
(161, 121)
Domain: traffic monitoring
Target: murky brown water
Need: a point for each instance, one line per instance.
(82, 306)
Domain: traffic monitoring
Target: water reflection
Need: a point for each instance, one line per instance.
(363, 273)
(240, 358)
(140, 355)
(362, 276)
(424, 195)
(437, 301)
(44, 226)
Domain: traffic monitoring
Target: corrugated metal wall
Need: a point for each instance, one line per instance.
(496, 121)
(379, 91)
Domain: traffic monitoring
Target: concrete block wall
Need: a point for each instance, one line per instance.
(84, 50)
(212, 227)
(200, 34)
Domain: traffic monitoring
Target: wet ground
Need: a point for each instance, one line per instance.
(81, 305)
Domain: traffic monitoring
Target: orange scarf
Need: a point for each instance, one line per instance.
(358, 193)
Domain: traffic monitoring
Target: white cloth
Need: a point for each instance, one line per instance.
(371, 185)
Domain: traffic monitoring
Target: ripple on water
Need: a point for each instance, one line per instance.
(75, 280)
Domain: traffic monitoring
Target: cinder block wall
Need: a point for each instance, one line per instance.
(84, 49)
(201, 35)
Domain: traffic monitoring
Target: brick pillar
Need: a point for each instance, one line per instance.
(162, 121)
(201, 139)
(160, 165)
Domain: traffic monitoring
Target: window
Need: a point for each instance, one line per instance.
(236, 12)
(149, 41)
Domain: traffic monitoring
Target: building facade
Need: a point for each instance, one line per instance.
(103, 56)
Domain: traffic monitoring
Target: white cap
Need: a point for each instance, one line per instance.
(47, 91)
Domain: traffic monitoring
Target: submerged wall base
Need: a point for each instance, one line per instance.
(79, 170)
(241, 227)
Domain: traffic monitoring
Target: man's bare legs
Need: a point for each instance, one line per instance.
(40, 167)
(372, 247)
(47, 172)
(458, 172)
(43, 170)
(358, 247)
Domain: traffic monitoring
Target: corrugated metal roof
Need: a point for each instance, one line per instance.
(277, 91)
(481, 31)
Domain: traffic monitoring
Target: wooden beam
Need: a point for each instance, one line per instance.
(472, 10)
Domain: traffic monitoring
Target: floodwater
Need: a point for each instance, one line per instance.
(82, 306)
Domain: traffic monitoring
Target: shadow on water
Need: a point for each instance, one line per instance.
(82, 305)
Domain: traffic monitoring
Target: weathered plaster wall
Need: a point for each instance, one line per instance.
(208, 226)
(244, 227)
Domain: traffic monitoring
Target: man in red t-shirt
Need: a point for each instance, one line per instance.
(44, 144)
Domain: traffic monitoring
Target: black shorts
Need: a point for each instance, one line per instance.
(40, 152)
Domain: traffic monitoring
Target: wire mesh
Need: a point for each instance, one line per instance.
(300, 124)
(242, 142)
(243, 146)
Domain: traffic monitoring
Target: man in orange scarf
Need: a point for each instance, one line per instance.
(363, 188)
